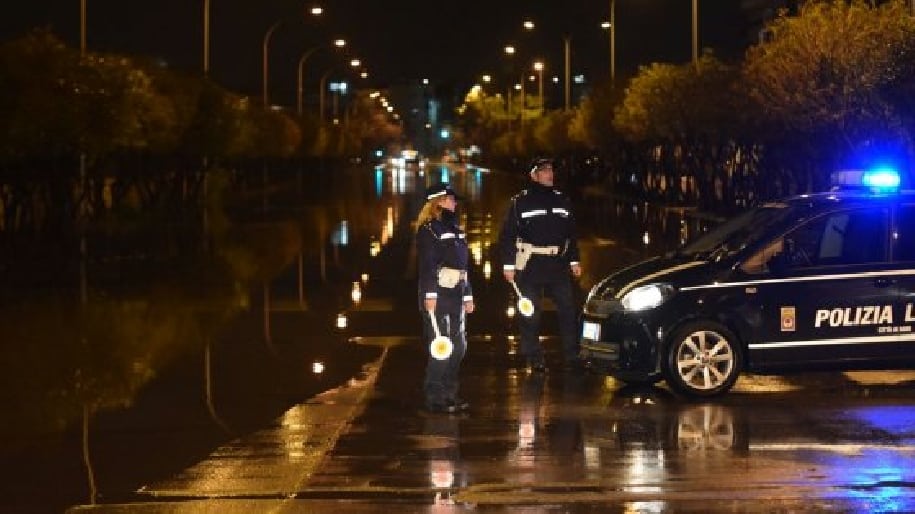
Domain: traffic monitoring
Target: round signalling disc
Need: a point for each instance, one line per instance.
(441, 348)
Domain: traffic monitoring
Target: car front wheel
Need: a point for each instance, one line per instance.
(703, 359)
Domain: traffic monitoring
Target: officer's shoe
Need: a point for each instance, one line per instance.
(441, 408)
(459, 404)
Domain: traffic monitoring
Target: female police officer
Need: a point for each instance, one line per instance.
(444, 291)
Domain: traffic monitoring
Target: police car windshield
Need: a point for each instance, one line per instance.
(735, 234)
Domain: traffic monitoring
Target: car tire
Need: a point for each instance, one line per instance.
(703, 359)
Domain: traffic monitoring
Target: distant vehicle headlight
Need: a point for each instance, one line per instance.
(647, 297)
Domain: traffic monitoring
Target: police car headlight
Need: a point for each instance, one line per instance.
(647, 297)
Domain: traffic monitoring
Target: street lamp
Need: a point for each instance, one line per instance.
(695, 32)
(538, 67)
(206, 38)
(567, 52)
(509, 51)
(323, 88)
(314, 11)
(611, 27)
(82, 28)
(338, 43)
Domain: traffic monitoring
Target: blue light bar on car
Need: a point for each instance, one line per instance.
(884, 179)
(879, 180)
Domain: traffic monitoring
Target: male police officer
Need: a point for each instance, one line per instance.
(538, 248)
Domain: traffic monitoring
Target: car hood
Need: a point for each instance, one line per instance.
(677, 270)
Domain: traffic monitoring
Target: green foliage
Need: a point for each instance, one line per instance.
(677, 102)
(551, 133)
(57, 102)
(829, 67)
(592, 123)
(37, 104)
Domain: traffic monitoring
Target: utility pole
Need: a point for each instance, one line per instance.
(568, 72)
(695, 32)
(206, 38)
(613, 42)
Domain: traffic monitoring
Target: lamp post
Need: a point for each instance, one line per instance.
(695, 32)
(82, 28)
(610, 26)
(538, 67)
(323, 87)
(266, 61)
(315, 11)
(338, 43)
(567, 40)
(567, 53)
(509, 51)
(612, 42)
(206, 38)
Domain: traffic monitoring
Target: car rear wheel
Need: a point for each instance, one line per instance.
(703, 359)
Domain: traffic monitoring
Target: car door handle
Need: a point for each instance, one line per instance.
(884, 282)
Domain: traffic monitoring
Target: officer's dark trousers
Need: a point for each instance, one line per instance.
(559, 288)
(441, 382)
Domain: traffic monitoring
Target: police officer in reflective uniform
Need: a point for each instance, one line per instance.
(444, 290)
(538, 247)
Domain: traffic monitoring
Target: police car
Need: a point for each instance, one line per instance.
(817, 281)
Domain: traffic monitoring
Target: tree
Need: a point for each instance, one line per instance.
(836, 78)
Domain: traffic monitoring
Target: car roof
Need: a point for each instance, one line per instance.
(830, 199)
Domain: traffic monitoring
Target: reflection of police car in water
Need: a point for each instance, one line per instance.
(650, 419)
(820, 281)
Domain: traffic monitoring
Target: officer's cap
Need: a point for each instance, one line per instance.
(440, 189)
(538, 163)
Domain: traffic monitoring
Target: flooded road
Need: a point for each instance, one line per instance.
(306, 392)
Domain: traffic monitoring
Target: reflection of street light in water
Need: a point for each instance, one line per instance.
(356, 294)
(487, 270)
(527, 432)
(441, 473)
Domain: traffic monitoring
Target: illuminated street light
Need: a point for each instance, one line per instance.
(323, 87)
(315, 11)
(338, 43)
(611, 27)
(538, 67)
(567, 51)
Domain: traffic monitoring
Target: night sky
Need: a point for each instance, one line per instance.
(449, 42)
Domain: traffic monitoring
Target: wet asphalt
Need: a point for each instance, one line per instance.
(335, 421)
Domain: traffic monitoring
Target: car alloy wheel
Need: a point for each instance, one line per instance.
(703, 359)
